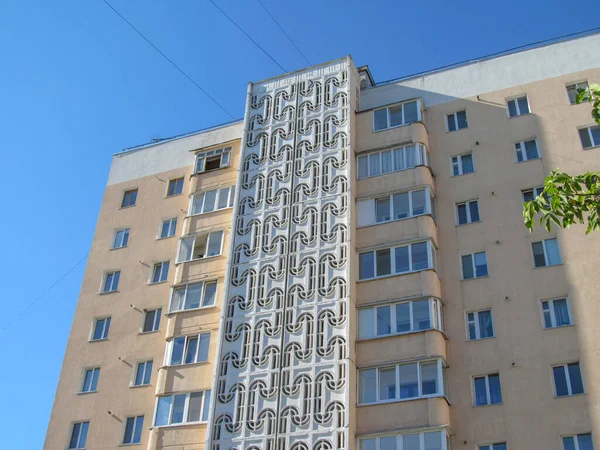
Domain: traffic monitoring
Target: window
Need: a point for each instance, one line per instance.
(101, 327)
(151, 320)
(143, 373)
(467, 212)
(129, 198)
(133, 430)
(189, 349)
(121, 238)
(527, 150)
(518, 106)
(579, 442)
(545, 253)
(499, 446)
(572, 90)
(462, 164)
(487, 390)
(394, 207)
(388, 261)
(79, 435)
(567, 379)
(213, 159)
(193, 296)
(428, 440)
(160, 272)
(398, 318)
(111, 281)
(90, 380)
(474, 265)
(212, 200)
(395, 116)
(200, 246)
(400, 382)
(480, 325)
(391, 160)
(456, 121)
(590, 136)
(182, 408)
(531, 194)
(175, 187)
(168, 228)
(556, 313)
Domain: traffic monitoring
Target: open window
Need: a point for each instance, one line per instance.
(213, 159)
(203, 245)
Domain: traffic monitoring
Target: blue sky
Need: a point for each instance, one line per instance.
(77, 85)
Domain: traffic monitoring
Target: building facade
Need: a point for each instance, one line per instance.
(347, 268)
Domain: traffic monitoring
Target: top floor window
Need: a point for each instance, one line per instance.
(391, 160)
(129, 198)
(456, 121)
(518, 106)
(395, 116)
(213, 159)
(175, 187)
(572, 90)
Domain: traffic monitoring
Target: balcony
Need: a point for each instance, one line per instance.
(424, 283)
(366, 139)
(420, 227)
(215, 219)
(395, 181)
(188, 377)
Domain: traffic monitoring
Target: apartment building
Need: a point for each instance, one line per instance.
(347, 268)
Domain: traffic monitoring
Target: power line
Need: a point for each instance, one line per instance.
(44, 293)
(247, 35)
(283, 31)
(168, 59)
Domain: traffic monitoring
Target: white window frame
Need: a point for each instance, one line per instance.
(135, 420)
(439, 378)
(105, 280)
(160, 266)
(592, 141)
(422, 159)
(195, 236)
(125, 192)
(172, 228)
(200, 162)
(399, 438)
(454, 116)
(521, 144)
(575, 439)
(568, 379)
(157, 315)
(518, 109)
(78, 444)
(543, 242)
(536, 191)
(472, 255)
(139, 363)
(230, 196)
(468, 210)
(82, 389)
(459, 164)
(431, 256)
(185, 409)
(395, 106)
(578, 85)
(175, 180)
(105, 331)
(186, 286)
(552, 312)
(487, 389)
(126, 232)
(476, 323)
(435, 318)
(410, 205)
(171, 345)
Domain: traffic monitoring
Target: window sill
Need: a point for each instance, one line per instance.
(209, 171)
(382, 277)
(488, 404)
(180, 311)
(593, 147)
(127, 207)
(87, 393)
(117, 248)
(407, 333)
(520, 115)
(128, 445)
(462, 174)
(199, 259)
(139, 386)
(109, 292)
(475, 278)
(91, 341)
(454, 131)
(481, 339)
(467, 223)
(175, 425)
(179, 366)
(149, 332)
(208, 212)
(528, 160)
(550, 265)
(398, 220)
(385, 402)
(174, 195)
(151, 283)
(558, 327)
(160, 238)
(559, 397)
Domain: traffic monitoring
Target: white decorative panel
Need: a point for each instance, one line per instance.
(282, 369)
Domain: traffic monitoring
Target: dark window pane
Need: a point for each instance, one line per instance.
(512, 108)
(421, 315)
(418, 202)
(595, 135)
(461, 118)
(409, 385)
(569, 443)
(418, 252)
(401, 206)
(462, 214)
(192, 348)
(384, 263)
(177, 353)
(523, 105)
(467, 266)
(382, 210)
(380, 119)
(584, 135)
(481, 269)
(585, 441)
(402, 263)
(495, 392)
(467, 163)
(575, 378)
(538, 254)
(528, 196)
(429, 378)
(474, 210)
(560, 381)
(366, 262)
(148, 373)
(450, 120)
(480, 391)
(178, 407)
(561, 311)
(368, 383)
(387, 383)
(149, 321)
(410, 112)
(374, 164)
(128, 439)
(75, 435)
(139, 425)
(486, 328)
(384, 320)
(531, 150)
(363, 167)
(402, 317)
(396, 116)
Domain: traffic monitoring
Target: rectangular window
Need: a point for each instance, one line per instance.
(462, 164)
(518, 106)
(129, 198)
(395, 116)
(474, 265)
(121, 238)
(590, 136)
(182, 408)
(400, 382)
(527, 150)
(200, 246)
(401, 206)
(213, 159)
(168, 228)
(578, 442)
(90, 380)
(572, 90)
(531, 194)
(545, 253)
(160, 272)
(567, 379)
(487, 390)
(428, 440)
(151, 320)
(143, 373)
(212, 201)
(407, 258)
(480, 325)
(456, 121)
(79, 435)
(193, 296)
(111, 281)
(133, 430)
(556, 313)
(101, 327)
(467, 212)
(175, 187)
(393, 160)
(189, 349)
(498, 446)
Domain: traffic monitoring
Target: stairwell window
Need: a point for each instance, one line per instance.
(151, 320)
(175, 187)
(90, 380)
(556, 313)
(462, 164)
(397, 115)
(474, 265)
(121, 238)
(79, 434)
(189, 349)
(545, 253)
(111, 281)
(391, 160)
(396, 260)
(590, 136)
(129, 198)
(480, 325)
(456, 121)
(177, 409)
(100, 329)
(578, 442)
(212, 201)
(527, 150)
(133, 430)
(572, 90)
(193, 296)
(199, 246)
(467, 212)
(213, 159)
(487, 390)
(567, 380)
(518, 106)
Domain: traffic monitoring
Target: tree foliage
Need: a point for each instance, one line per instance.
(591, 95)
